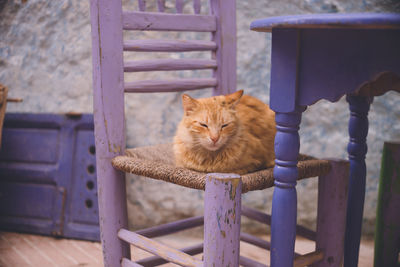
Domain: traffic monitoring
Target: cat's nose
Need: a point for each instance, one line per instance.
(214, 138)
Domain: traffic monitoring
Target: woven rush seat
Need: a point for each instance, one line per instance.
(157, 162)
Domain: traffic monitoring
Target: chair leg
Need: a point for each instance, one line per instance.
(112, 212)
(222, 206)
(387, 227)
(331, 218)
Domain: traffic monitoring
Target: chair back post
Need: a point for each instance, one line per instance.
(225, 38)
(108, 108)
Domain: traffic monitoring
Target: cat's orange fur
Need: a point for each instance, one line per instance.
(231, 133)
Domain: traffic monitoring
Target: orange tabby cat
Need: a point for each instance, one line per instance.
(231, 133)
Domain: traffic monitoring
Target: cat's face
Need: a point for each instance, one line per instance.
(211, 122)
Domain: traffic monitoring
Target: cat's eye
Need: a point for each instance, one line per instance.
(204, 125)
(223, 126)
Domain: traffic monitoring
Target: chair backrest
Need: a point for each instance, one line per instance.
(109, 21)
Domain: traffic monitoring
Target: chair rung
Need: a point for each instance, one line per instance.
(128, 263)
(244, 261)
(308, 259)
(159, 249)
(152, 21)
(266, 219)
(156, 260)
(168, 45)
(172, 227)
(256, 241)
(152, 86)
(169, 64)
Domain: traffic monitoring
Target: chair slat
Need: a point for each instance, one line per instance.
(179, 6)
(168, 45)
(152, 86)
(151, 21)
(142, 5)
(169, 64)
(159, 249)
(196, 6)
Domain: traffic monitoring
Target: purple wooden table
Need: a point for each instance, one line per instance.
(325, 56)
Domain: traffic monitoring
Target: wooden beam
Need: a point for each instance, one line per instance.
(159, 249)
(152, 21)
(169, 64)
(172, 227)
(151, 86)
(168, 45)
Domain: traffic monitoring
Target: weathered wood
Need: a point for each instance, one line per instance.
(3, 105)
(109, 123)
(225, 37)
(169, 45)
(266, 219)
(169, 86)
(168, 22)
(169, 65)
(179, 6)
(159, 249)
(156, 260)
(309, 258)
(142, 5)
(197, 6)
(15, 100)
(387, 227)
(244, 261)
(128, 263)
(331, 219)
(222, 205)
(172, 227)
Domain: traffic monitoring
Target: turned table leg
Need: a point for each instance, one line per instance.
(284, 202)
(357, 149)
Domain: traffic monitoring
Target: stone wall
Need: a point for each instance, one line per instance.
(45, 58)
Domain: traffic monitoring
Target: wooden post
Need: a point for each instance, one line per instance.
(222, 206)
(387, 233)
(225, 38)
(106, 19)
(284, 200)
(357, 149)
(331, 219)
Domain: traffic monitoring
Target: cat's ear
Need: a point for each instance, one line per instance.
(234, 98)
(189, 104)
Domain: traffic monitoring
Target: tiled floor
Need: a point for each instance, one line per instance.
(19, 250)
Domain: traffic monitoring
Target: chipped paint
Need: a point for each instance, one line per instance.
(223, 233)
(234, 184)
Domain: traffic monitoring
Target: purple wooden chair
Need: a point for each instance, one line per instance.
(223, 209)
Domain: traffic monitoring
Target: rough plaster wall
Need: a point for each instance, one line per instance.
(45, 58)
